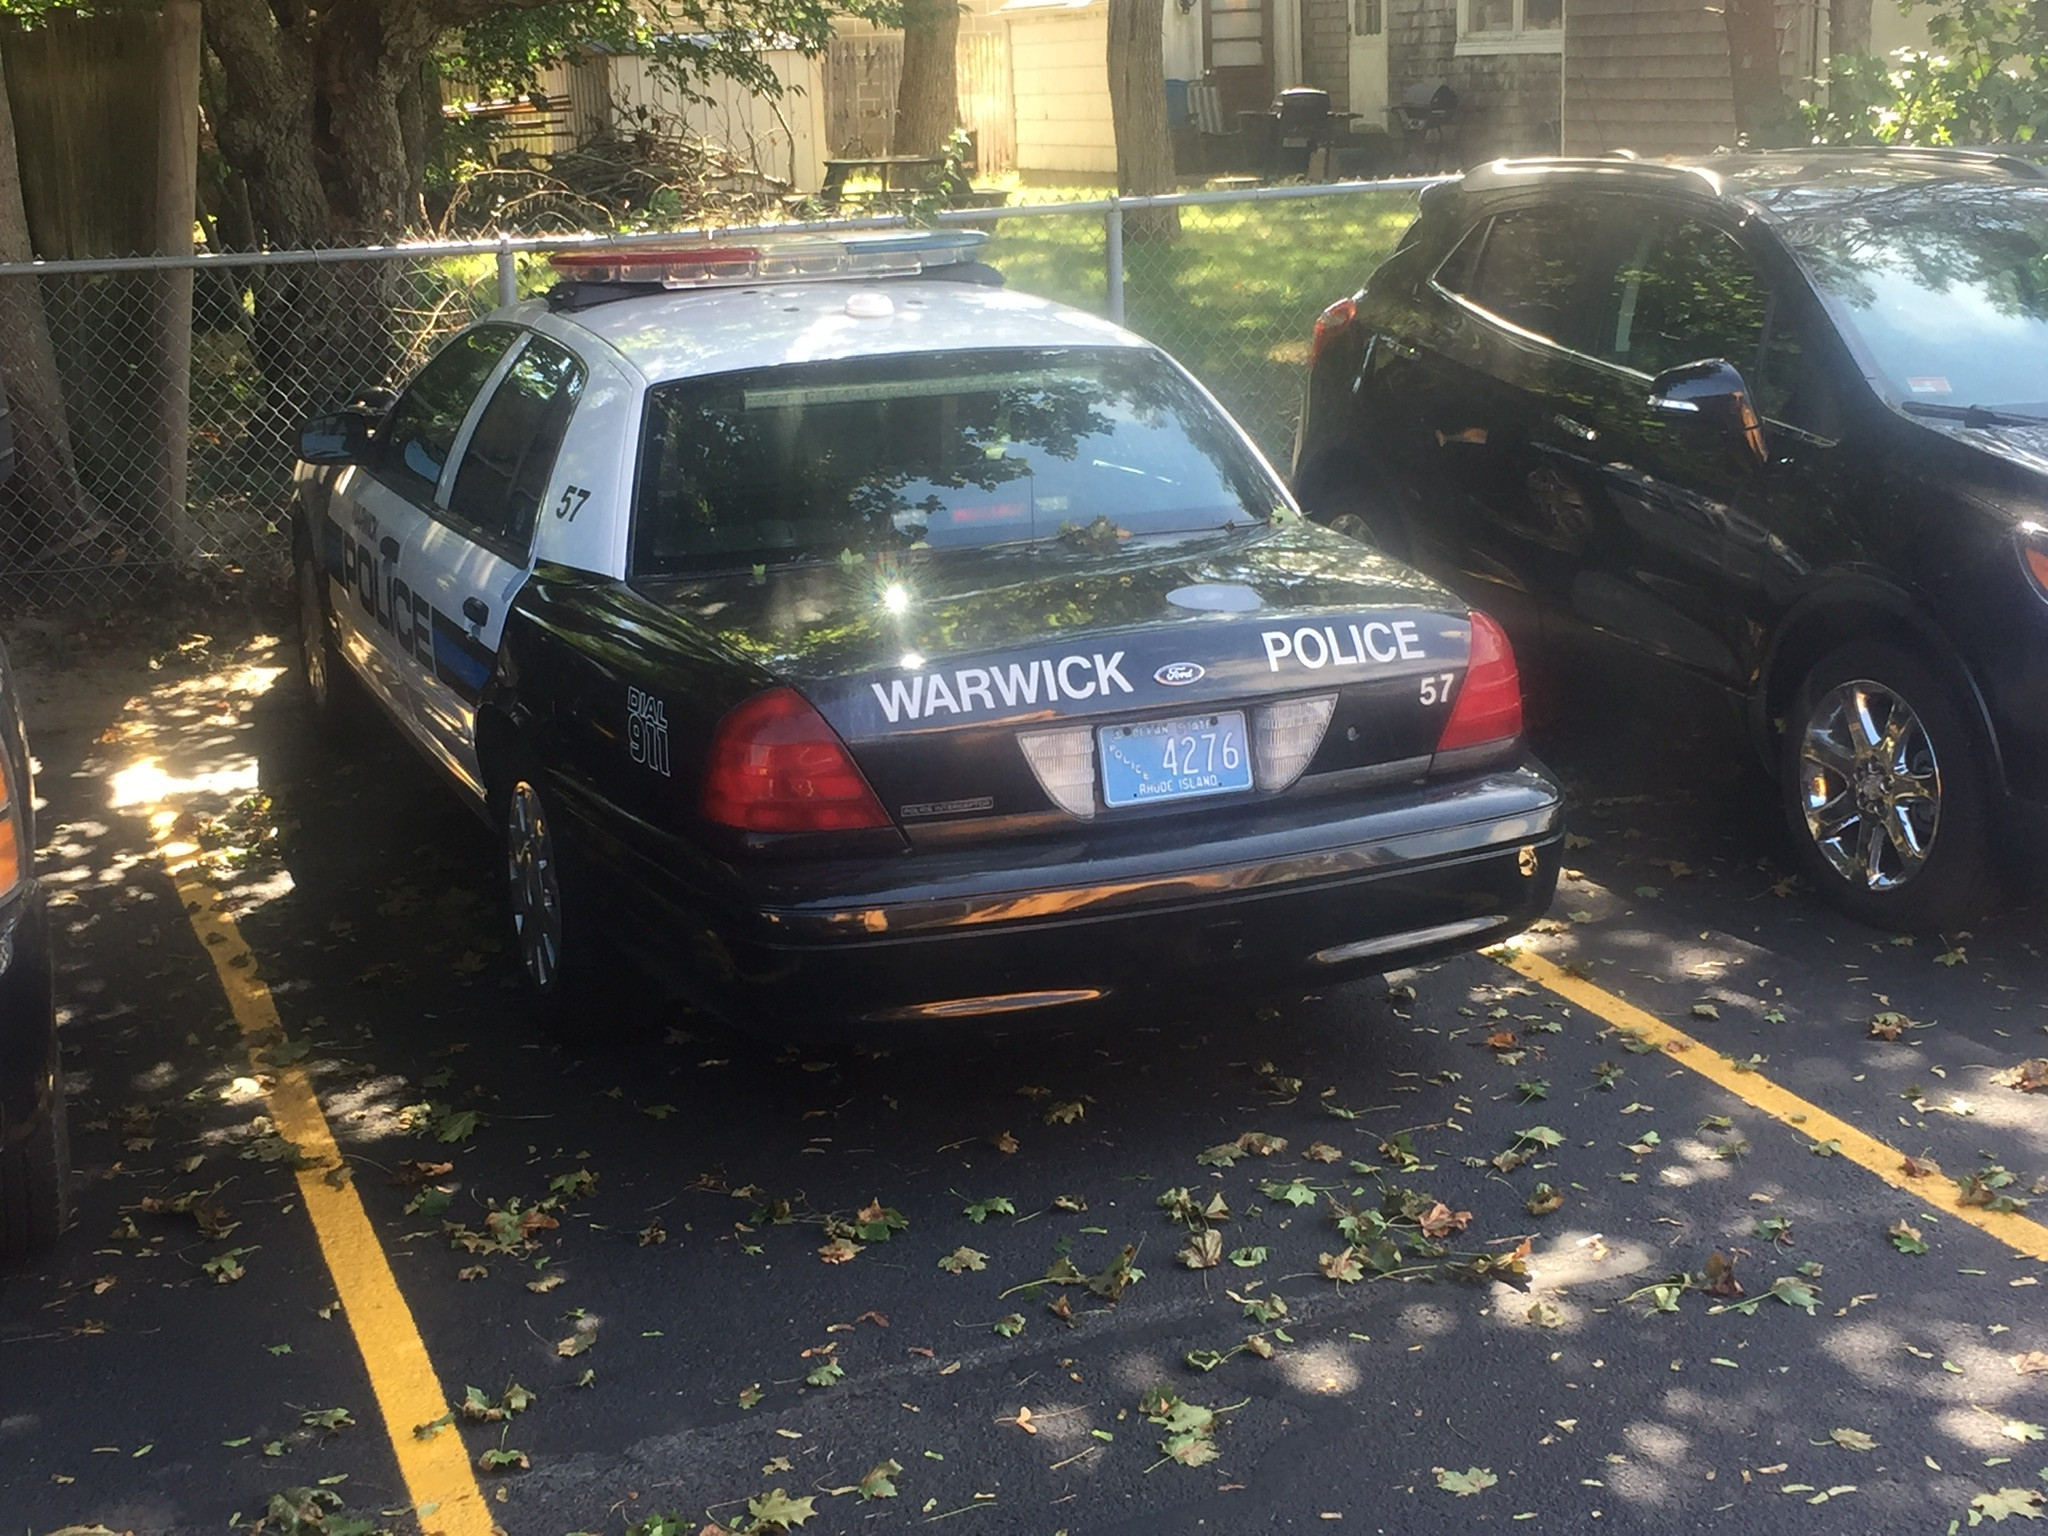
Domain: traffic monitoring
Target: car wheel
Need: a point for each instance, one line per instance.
(1887, 792)
(559, 957)
(34, 1175)
(321, 668)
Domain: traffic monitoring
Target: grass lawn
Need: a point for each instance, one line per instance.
(1235, 298)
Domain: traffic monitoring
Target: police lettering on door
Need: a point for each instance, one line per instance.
(1316, 646)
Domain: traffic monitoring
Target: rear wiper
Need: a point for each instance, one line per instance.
(1972, 415)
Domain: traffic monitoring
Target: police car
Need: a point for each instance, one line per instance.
(855, 641)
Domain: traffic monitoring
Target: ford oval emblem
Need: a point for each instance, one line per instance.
(1178, 674)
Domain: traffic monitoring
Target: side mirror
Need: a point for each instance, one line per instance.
(342, 437)
(1711, 399)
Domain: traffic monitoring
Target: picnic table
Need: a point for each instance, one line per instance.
(901, 176)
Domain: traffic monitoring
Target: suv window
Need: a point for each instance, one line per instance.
(422, 426)
(511, 455)
(1528, 267)
(1686, 291)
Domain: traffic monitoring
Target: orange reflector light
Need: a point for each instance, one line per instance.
(2037, 566)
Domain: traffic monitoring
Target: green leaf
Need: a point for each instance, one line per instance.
(1541, 1135)
(996, 1205)
(1795, 1293)
(456, 1125)
(1906, 1237)
(777, 1511)
(827, 1373)
(2019, 1429)
(750, 1397)
(1852, 1439)
(880, 1480)
(1294, 1192)
(1464, 1484)
(330, 1419)
(1996, 1507)
(499, 1461)
(963, 1259)
(1247, 1258)
(1010, 1326)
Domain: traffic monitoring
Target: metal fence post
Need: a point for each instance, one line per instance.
(508, 274)
(1115, 222)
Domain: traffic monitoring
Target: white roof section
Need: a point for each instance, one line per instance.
(720, 330)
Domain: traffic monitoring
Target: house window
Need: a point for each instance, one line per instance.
(1368, 18)
(1510, 26)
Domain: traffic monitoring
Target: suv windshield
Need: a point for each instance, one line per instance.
(938, 450)
(1947, 288)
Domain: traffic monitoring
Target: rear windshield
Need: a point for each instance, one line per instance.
(1948, 290)
(933, 450)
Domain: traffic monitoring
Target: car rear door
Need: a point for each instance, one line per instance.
(1485, 398)
(376, 510)
(467, 556)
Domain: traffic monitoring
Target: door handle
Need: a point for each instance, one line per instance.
(388, 548)
(1578, 429)
(476, 610)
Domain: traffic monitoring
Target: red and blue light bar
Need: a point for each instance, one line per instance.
(792, 258)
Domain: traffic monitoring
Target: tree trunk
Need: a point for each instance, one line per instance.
(1761, 110)
(927, 93)
(43, 504)
(265, 126)
(1137, 106)
(177, 195)
(1848, 26)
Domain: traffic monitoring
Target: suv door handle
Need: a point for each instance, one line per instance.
(476, 610)
(388, 548)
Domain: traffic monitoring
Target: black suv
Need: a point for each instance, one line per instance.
(34, 1157)
(1781, 419)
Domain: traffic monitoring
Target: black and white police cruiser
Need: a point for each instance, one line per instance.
(855, 641)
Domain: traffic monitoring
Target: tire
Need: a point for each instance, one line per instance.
(563, 963)
(1888, 791)
(322, 671)
(34, 1181)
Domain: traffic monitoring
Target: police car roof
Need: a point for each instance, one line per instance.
(719, 330)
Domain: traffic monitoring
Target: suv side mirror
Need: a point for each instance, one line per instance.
(1712, 396)
(341, 437)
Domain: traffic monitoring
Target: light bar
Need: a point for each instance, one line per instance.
(793, 258)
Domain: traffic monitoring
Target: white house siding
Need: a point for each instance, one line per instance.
(1059, 64)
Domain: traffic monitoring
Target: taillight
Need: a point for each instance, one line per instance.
(1488, 707)
(776, 766)
(2034, 558)
(12, 864)
(1333, 321)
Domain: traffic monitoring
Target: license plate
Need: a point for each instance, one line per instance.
(1156, 760)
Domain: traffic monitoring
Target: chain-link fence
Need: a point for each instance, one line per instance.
(134, 478)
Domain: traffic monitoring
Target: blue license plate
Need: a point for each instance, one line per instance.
(1156, 760)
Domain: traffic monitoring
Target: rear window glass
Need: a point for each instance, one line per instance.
(934, 450)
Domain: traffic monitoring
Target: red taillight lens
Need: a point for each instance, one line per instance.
(776, 766)
(1489, 703)
(1333, 321)
(2036, 561)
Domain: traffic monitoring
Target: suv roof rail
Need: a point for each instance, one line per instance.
(1505, 171)
(1987, 158)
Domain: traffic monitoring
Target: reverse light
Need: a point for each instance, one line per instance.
(1063, 762)
(1285, 736)
(1333, 321)
(1488, 706)
(776, 766)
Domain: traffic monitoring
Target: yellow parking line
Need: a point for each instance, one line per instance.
(438, 1478)
(1759, 1092)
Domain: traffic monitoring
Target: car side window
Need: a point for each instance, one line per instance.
(511, 454)
(1686, 291)
(414, 445)
(1528, 266)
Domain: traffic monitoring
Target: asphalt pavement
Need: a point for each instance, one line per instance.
(1499, 1249)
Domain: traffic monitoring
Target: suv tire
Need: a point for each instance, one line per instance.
(1888, 792)
(34, 1175)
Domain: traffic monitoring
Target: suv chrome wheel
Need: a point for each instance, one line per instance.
(1870, 785)
(535, 886)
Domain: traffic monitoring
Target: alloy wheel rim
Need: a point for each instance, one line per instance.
(1870, 785)
(535, 887)
(312, 645)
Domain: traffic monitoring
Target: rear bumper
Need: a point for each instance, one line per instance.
(1437, 870)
